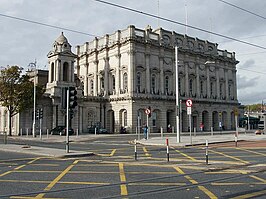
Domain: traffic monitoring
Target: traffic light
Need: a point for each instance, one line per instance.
(72, 97)
(41, 113)
(37, 114)
(150, 111)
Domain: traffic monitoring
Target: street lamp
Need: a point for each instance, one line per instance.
(33, 66)
(177, 97)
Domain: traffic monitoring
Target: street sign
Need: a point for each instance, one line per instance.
(147, 111)
(189, 110)
(189, 103)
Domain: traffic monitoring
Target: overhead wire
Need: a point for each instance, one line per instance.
(178, 23)
(243, 9)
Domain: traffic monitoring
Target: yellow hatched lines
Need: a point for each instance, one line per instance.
(187, 156)
(202, 188)
(19, 167)
(146, 152)
(255, 152)
(251, 195)
(229, 156)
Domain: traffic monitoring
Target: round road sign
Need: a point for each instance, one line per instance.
(189, 103)
(147, 111)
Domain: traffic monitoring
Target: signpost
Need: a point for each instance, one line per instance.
(189, 105)
(147, 112)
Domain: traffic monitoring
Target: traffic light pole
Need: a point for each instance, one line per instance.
(67, 123)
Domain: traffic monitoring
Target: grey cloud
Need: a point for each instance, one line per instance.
(248, 64)
(244, 82)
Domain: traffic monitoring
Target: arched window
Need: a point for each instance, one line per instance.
(201, 87)
(229, 89)
(91, 86)
(153, 84)
(211, 88)
(191, 85)
(125, 80)
(113, 82)
(125, 118)
(65, 71)
(52, 72)
(138, 82)
(221, 90)
(166, 84)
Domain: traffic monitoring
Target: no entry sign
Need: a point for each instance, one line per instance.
(189, 103)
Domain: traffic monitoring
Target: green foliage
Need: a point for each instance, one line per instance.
(16, 90)
(254, 107)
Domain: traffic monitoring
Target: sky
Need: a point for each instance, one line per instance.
(22, 42)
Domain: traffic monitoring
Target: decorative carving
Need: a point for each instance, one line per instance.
(166, 39)
(202, 67)
(190, 44)
(167, 61)
(212, 68)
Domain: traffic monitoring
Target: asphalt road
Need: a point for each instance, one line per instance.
(232, 172)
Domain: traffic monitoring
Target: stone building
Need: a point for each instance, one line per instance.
(120, 75)
(128, 71)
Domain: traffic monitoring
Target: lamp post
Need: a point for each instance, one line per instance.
(33, 65)
(177, 97)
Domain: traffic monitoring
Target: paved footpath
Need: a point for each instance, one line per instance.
(186, 140)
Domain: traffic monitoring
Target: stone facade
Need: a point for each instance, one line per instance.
(133, 69)
(120, 75)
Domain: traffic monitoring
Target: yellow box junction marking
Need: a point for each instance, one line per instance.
(113, 152)
(19, 167)
(229, 156)
(255, 152)
(123, 187)
(202, 188)
(258, 178)
(146, 151)
(187, 156)
(251, 195)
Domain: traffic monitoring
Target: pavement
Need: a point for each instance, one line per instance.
(154, 140)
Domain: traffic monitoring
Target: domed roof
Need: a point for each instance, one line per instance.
(61, 39)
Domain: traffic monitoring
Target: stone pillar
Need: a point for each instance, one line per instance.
(86, 83)
(131, 70)
(186, 80)
(161, 75)
(106, 76)
(226, 84)
(208, 82)
(95, 78)
(147, 63)
(118, 78)
(197, 81)
(58, 69)
(217, 82)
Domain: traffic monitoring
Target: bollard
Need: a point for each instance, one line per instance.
(135, 149)
(77, 132)
(47, 131)
(167, 149)
(235, 140)
(212, 131)
(27, 132)
(21, 132)
(161, 132)
(95, 130)
(5, 138)
(195, 131)
(207, 157)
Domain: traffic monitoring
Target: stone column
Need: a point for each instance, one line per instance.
(95, 78)
(197, 81)
(86, 83)
(106, 76)
(58, 69)
(217, 82)
(147, 63)
(208, 82)
(161, 75)
(186, 80)
(117, 74)
(226, 84)
(131, 71)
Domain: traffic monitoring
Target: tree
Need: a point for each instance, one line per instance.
(16, 91)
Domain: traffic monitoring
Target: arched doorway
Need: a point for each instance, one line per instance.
(111, 121)
(224, 121)
(215, 120)
(205, 120)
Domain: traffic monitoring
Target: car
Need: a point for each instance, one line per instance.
(99, 130)
(61, 130)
